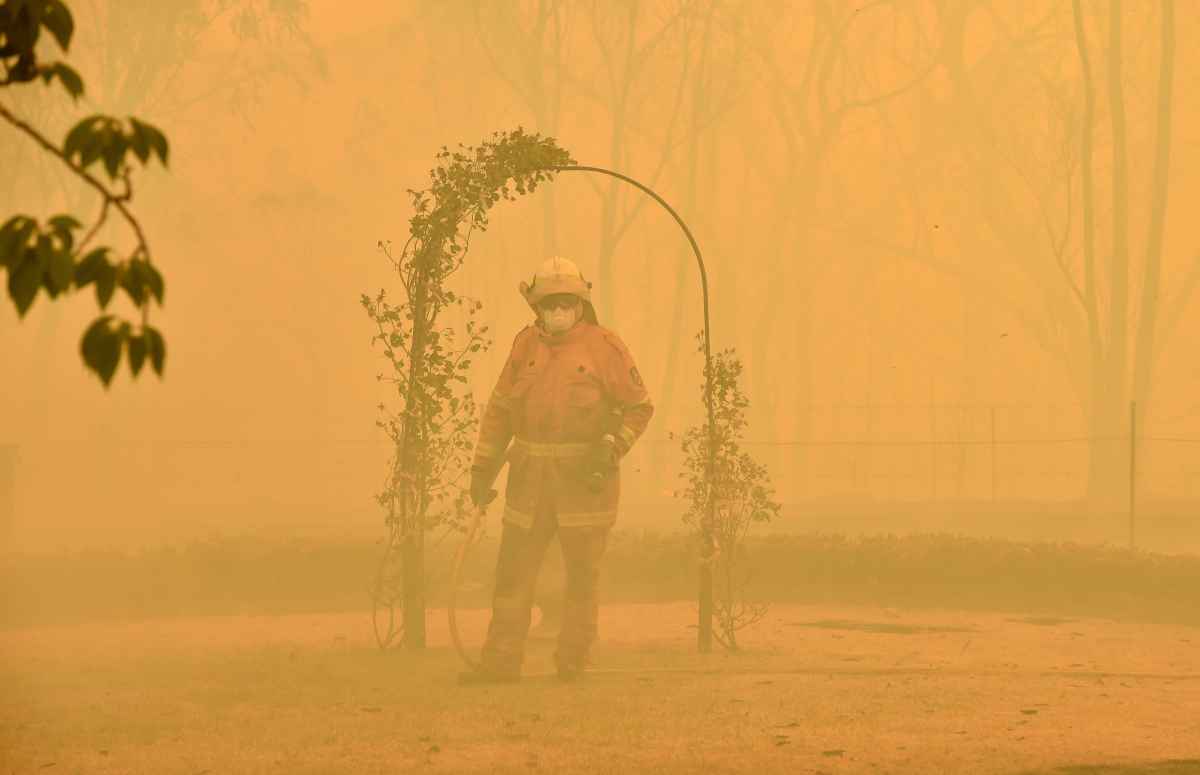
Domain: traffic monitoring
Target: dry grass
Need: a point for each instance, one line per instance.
(820, 689)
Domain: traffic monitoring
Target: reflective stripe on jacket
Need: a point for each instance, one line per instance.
(554, 400)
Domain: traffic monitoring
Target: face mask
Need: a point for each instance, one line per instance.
(559, 320)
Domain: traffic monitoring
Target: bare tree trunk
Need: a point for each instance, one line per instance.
(1118, 321)
(685, 270)
(1146, 354)
(1110, 379)
(1100, 458)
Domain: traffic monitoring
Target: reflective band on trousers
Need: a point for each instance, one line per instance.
(537, 449)
(564, 519)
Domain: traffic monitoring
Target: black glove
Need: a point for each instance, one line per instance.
(482, 493)
(600, 462)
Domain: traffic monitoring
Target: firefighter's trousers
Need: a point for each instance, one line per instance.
(521, 554)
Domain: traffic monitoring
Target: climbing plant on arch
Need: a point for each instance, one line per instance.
(433, 422)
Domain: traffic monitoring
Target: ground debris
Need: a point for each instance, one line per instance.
(879, 627)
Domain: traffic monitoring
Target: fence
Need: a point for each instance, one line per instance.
(58, 493)
(975, 453)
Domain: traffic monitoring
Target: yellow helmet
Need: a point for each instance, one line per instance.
(556, 275)
(559, 275)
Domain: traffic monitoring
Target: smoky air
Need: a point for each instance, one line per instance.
(680, 386)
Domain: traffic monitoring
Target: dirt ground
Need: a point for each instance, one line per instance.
(830, 689)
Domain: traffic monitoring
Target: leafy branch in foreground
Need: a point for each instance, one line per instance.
(46, 255)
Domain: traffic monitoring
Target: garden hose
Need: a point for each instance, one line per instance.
(456, 580)
(459, 558)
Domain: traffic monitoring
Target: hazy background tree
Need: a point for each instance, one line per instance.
(526, 45)
(632, 38)
(822, 95)
(1031, 135)
(715, 90)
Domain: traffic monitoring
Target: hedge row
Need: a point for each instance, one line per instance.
(254, 575)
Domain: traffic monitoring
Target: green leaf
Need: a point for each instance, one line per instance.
(13, 236)
(45, 258)
(60, 228)
(45, 249)
(64, 223)
(101, 348)
(106, 284)
(66, 76)
(157, 349)
(92, 148)
(57, 18)
(70, 80)
(89, 139)
(23, 282)
(90, 267)
(93, 139)
(114, 153)
(60, 270)
(137, 353)
(154, 281)
(74, 141)
(23, 29)
(133, 281)
(156, 139)
(139, 140)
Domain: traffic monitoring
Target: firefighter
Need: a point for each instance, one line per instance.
(572, 403)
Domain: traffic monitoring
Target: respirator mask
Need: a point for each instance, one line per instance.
(559, 312)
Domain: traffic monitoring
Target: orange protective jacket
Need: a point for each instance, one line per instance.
(556, 398)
